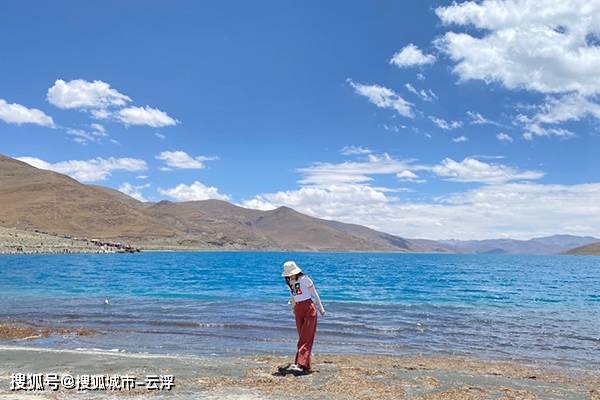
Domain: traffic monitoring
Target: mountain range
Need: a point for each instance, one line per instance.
(555, 244)
(37, 199)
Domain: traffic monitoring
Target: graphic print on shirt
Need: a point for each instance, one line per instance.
(296, 290)
(300, 290)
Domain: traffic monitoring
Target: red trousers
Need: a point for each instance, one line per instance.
(306, 324)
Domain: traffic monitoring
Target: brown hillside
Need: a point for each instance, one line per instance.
(31, 198)
(589, 250)
(293, 230)
(210, 224)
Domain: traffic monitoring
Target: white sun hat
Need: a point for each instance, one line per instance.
(290, 268)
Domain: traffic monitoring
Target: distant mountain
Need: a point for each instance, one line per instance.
(556, 244)
(588, 250)
(226, 225)
(36, 199)
(32, 198)
(432, 246)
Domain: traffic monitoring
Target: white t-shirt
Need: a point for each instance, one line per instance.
(300, 289)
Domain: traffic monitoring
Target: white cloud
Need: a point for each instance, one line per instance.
(195, 191)
(476, 118)
(513, 210)
(539, 45)
(424, 95)
(181, 160)
(361, 172)
(99, 129)
(498, 207)
(354, 150)
(527, 210)
(460, 139)
(383, 97)
(35, 162)
(504, 137)
(260, 202)
(145, 116)
(556, 110)
(101, 113)
(80, 93)
(392, 127)
(96, 169)
(409, 176)
(84, 137)
(13, 113)
(544, 46)
(473, 170)
(101, 100)
(443, 124)
(411, 56)
(81, 136)
(536, 130)
(160, 135)
(352, 171)
(330, 200)
(134, 190)
(566, 108)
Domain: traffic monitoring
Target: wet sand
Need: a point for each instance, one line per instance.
(336, 377)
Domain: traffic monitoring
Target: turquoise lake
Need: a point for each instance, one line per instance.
(527, 308)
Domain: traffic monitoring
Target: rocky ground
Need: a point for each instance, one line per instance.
(16, 241)
(23, 331)
(335, 377)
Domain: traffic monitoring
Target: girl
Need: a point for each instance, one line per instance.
(302, 290)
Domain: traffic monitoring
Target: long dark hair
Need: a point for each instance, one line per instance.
(289, 278)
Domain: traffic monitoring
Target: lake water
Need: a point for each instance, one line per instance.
(526, 308)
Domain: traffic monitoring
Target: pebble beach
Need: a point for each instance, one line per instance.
(17, 241)
(335, 378)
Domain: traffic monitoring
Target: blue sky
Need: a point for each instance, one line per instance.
(422, 119)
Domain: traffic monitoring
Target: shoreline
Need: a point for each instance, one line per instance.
(19, 330)
(37, 336)
(18, 241)
(253, 377)
(75, 250)
(25, 242)
(336, 377)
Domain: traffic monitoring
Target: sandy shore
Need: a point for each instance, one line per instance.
(336, 377)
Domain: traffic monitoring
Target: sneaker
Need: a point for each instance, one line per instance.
(298, 370)
(295, 367)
